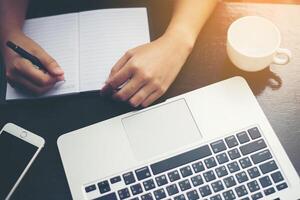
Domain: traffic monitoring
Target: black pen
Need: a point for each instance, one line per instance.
(34, 60)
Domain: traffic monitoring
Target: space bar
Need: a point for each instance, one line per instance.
(111, 196)
(181, 159)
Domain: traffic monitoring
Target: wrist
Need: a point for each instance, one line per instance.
(181, 37)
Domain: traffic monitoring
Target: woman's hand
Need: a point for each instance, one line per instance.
(21, 73)
(148, 70)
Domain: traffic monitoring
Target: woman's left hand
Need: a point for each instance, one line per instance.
(148, 70)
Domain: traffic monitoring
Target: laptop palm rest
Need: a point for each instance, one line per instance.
(161, 129)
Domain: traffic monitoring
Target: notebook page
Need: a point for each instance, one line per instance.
(58, 35)
(105, 35)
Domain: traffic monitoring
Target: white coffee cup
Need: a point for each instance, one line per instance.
(253, 44)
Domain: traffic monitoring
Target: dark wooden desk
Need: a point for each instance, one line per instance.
(277, 89)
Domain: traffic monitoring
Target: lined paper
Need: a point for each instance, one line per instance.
(86, 45)
(105, 35)
(58, 35)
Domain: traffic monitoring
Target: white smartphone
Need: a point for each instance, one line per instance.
(18, 150)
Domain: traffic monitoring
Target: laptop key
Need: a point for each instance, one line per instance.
(218, 146)
(233, 167)
(256, 196)
(246, 198)
(209, 176)
(186, 171)
(103, 187)
(128, 178)
(253, 186)
(135, 198)
(124, 193)
(205, 191)
(221, 171)
(243, 137)
(245, 162)
(173, 175)
(281, 186)
(210, 162)
(142, 173)
(197, 180)
(159, 194)
(231, 141)
(265, 181)
(147, 196)
(269, 191)
(115, 179)
(268, 167)
(172, 189)
(216, 197)
(228, 195)
(234, 154)
(161, 180)
(253, 172)
(90, 188)
(241, 177)
(254, 133)
(192, 195)
(217, 186)
(241, 191)
(180, 197)
(222, 158)
(277, 177)
(198, 167)
(229, 181)
(261, 156)
(184, 185)
(149, 184)
(110, 196)
(136, 189)
(253, 146)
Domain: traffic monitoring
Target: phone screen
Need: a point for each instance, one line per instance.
(15, 155)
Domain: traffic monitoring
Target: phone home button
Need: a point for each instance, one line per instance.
(23, 134)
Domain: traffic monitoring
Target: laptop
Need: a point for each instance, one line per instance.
(213, 143)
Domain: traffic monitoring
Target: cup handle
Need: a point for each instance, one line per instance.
(282, 61)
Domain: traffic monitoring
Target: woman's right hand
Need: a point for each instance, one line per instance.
(21, 73)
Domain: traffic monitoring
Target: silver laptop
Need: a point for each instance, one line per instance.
(213, 143)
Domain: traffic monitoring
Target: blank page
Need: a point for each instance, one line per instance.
(58, 35)
(105, 35)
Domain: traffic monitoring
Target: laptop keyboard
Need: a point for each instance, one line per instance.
(239, 166)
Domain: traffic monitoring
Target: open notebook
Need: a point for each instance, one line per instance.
(86, 45)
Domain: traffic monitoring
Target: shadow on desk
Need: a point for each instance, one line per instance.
(258, 81)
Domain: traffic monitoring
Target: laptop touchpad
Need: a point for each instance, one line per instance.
(161, 129)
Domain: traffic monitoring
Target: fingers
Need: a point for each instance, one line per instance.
(140, 86)
(108, 89)
(130, 88)
(151, 98)
(26, 68)
(23, 74)
(121, 76)
(142, 94)
(120, 63)
(21, 82)
(50, 64)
